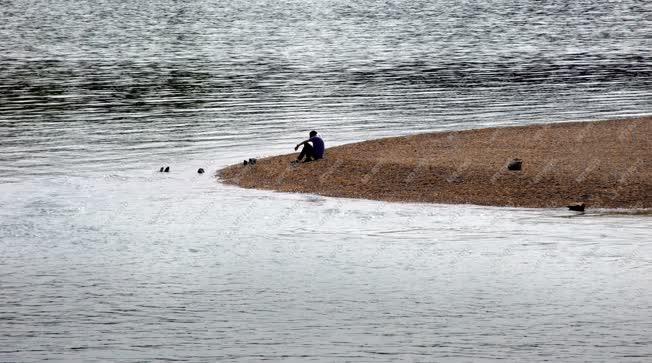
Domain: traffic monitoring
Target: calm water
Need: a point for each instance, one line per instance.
(102, 258)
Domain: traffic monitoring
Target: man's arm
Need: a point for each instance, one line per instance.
(299, 144)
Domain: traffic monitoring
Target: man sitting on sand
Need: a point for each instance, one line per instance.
(311, 152)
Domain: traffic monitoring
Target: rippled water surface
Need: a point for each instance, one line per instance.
(103, 258)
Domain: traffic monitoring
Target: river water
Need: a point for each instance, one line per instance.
(104, 258)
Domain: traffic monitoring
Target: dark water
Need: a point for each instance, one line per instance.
(102, 258)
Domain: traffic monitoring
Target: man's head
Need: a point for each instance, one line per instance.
(313, 133)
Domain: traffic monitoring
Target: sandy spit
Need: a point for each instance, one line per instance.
(604, 164)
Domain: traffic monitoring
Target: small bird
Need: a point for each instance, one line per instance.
(577, 207)
(161, 170)
(245, 163)
(515, 165)
(167, 169)
(200, 171)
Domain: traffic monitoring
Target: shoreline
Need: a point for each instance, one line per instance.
(604, 164)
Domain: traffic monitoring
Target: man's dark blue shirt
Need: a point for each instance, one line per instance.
(318, 146)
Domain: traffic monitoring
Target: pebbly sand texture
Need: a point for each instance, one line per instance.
(603, 164)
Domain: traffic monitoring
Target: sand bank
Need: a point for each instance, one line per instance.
(603, 163)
